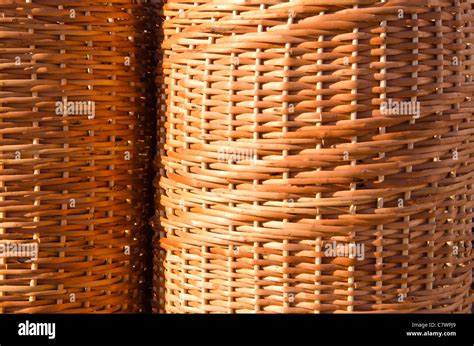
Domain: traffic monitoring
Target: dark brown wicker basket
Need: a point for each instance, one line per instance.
(468, 104)
(71, 180)
(284, 148)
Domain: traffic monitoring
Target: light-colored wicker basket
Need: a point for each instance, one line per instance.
(279, 147)
(71, 181)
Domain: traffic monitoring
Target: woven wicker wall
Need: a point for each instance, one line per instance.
(468, 104)
(279, 144)
(72, 181)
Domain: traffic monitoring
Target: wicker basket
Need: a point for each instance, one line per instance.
(468, 105)
(71, 182)
(317, 158)
(176, 15)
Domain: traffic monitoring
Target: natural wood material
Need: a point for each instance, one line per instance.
(71, 179)
(295, 128)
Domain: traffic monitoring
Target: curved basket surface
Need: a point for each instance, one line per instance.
(70, 172)
(317, 157)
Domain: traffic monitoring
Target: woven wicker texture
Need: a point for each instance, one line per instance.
(174, 19)
(176, 15)
(71, 180)
(317, 157)
(468, 105)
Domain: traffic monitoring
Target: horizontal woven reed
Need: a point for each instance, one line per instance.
(71, 182)
(278, 145)
(468, 86)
